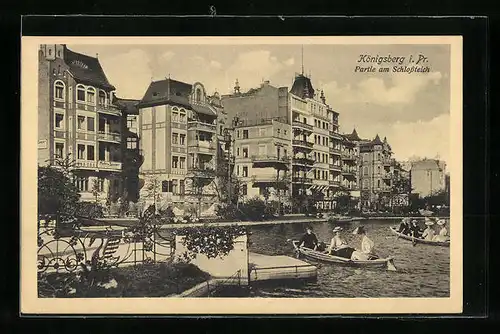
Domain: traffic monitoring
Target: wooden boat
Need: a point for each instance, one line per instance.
(388, 263)
(418, 240)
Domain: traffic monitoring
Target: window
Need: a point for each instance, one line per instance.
(378, 183)
(175, 161)
(238, 134)
(237, 170)
(221, 130)
(80, 93)
(182, 187)
(262, 132)
(244, 190)
(245, 152)
(238, 151)
(80, 122)
(100, 184)
(198, 95)
(59, 53)
(59, 121)
(91, 95)
(182, 163)
(378, 170)
(82, 183)
(90, 152)
(315, 122)
(50, 52)
(59, 90)
(182, 139)
(132, 122)
(175, 117)
(174, 186)
(245, 171)
(278, 131)
(81, 151)
(131, 143)
(102, 98)
(175, 138)
(284, 132)
(284, 152)
(164, 186)
(365, 170)
(245, 134)
(182, 117)
(59, 150)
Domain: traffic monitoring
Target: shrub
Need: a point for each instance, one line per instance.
(89, 210)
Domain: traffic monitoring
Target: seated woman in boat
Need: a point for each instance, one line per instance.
(404, 227)
(338, 246)
(442, 236)
(429, 232)
(415, 229)
(367, 246)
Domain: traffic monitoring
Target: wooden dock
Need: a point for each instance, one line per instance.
(265, 267)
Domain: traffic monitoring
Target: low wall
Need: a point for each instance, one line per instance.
(222, 268)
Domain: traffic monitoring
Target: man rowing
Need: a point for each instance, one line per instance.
(309, 239)
(338, 246)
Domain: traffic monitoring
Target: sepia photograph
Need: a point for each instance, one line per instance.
(323, 169)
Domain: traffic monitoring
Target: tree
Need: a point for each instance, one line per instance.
(56, 192)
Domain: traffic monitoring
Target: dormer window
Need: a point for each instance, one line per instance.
(198, 95)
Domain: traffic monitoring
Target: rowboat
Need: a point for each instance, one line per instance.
(388, 263)
(419, 240)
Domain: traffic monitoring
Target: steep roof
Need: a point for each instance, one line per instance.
(353, 136)
(376, 141)
(168, 90)
(128, 105)
(302, 87)
(174, 92)
(86, 69)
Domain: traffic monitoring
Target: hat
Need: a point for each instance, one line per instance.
(359, 230)
(414, 221)
(337, 229)
(441, 222)
(429, 222)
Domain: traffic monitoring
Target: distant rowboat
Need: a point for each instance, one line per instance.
(418, 240)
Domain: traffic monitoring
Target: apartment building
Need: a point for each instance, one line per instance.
(376, 173)
(316, 143)
(77, 118)
(350, 168)
(132, 157)
(428, 176)
(178, 131)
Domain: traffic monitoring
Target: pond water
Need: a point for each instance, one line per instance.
(423, 270)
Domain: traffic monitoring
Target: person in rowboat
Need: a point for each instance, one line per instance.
(429, 232)
(367, 246)
(404, 227)
(415, 229)
(442, 236)
(338, 246)
(309, 239)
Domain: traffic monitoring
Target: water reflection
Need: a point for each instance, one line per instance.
(423, 270)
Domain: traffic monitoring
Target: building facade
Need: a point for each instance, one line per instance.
(78, 121)
(179, 142)
(428, 177)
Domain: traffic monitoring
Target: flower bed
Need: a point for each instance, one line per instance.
(147, 280)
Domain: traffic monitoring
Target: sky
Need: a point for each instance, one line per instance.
(411, 110)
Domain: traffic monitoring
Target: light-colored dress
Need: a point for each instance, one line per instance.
(429, 234)
(442, 236)
(337, 243)
(367, 245)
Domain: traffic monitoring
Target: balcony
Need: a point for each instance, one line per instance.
(114, 166)
(109, 110)
(302, 180)
(303, 161)
(201, 126)
(334, 167)
(387, 162)
(349, 172)
(387, 176)
(302, 126)
(302, 144)
(264, 161)
(201, 172)
(109, 136)
(335, 135)
(201, 147)
(348, 157)
(334, 183)
(335, 151)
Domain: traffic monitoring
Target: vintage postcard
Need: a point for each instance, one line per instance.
(241, 175)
